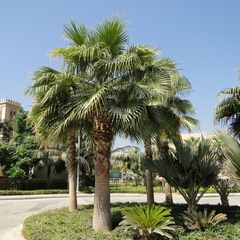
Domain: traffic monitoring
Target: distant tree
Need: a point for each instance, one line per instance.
(6, 155)
(22, 160)
(227, 111)
(127, 160)
(6, 130)
(231, 152)
(17, 154)
(21, 128)
(50, 156)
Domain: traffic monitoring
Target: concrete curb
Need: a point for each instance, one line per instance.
(82, 195)
(17, 233)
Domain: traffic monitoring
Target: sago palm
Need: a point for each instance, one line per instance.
(148, 221)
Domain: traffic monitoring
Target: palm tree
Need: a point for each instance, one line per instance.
(181, 112)
(85, 159)
(228, 110)
(149, 132)
(163, 114)
(51, 91)
(126, 160)
(50, 156)
(157, 117)
(231, 153)
(110, 89)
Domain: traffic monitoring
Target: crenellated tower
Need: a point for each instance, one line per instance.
(8, 108)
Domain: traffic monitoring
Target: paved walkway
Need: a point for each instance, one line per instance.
(15, 209)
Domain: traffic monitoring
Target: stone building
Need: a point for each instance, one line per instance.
(8, 108)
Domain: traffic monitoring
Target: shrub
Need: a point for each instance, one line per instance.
(148, 221)
(201, 220)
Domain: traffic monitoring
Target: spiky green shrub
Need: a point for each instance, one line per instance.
(197, 220)
(148, 221)
(222, 187)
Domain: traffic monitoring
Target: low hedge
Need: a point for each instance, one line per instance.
(32, 192)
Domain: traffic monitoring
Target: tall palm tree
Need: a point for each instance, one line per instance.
(228, 110)
(120, 81)
(156, 118)
(51, 91)
(181, 113)
(160, 115)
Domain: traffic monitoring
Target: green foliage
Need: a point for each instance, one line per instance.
(16, 155)
(6, 130)
(32, 192)
(6, 153)
(201, 220)
(190, 168)
(219, 232)
(222, 187)
(227, 111)
(148, 221)
(21, 160)
(15, 173)
(60, 224)
(231, 151)
(21, 128)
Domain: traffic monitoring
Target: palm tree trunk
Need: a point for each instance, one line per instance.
(149, 177)
(72, 173)
(48, 171)
(163, 149)
(168, 193)
(102, 140)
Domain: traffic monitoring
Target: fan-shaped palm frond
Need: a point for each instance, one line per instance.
(228, 111)
(231, 151)
(188, 168)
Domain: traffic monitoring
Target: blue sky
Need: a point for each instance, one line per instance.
(201, 36)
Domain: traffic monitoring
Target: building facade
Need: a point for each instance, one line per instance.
(8, 108)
